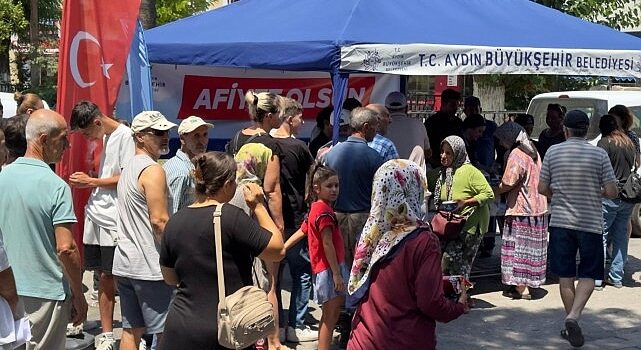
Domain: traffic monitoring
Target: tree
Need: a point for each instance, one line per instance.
(148, 13)
(171, 10)
(11, 18)
(617, 14)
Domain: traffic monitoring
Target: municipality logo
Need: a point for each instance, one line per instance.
(372, 60)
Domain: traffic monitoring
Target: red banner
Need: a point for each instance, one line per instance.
(224, 98)
(94, 44)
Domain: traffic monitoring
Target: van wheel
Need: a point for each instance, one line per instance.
(636, 221)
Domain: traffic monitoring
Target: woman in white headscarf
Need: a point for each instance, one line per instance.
(458, 180)
(396, 268)
(524, 247)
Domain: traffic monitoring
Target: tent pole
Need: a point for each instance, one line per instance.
(339, 88)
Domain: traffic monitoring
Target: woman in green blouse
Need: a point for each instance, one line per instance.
(458, 180)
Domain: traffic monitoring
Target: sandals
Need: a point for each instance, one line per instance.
(573, 333)
(514, 294)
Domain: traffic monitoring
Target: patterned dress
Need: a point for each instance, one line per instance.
(524, 248)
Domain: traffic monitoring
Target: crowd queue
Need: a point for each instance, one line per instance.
(351, 220)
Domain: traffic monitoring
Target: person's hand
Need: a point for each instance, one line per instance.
(339, 284)
(78, 309)
(460, 205)
(81, 180)
(463, 299)
(253, 194)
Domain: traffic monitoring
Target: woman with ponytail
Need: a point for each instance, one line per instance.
(188, 255)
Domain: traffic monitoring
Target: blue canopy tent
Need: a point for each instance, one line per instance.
(402, 37)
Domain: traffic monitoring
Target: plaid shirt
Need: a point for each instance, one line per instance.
(179, 181)
(385, 147)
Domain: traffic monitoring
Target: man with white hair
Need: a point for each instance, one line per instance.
(384, 146)
(142, 209)
(354, 199)
(194, 137)
(36, 214)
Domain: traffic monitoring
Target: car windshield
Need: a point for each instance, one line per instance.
(594, 108)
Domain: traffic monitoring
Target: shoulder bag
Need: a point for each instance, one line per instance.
(244, 316)
(447, 225)
(631, 189)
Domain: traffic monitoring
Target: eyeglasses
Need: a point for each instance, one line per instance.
(156, 132)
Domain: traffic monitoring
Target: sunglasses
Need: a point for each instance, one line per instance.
(156, 132)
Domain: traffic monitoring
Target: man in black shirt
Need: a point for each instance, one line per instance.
(443, 124)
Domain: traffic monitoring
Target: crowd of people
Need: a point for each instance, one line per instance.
(351, 220)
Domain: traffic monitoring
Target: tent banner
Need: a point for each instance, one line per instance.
(431, 59)
(218, 94)
(224, 97)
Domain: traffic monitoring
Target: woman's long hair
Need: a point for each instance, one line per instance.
(611, 129)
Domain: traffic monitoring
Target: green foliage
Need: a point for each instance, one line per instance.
(614, 13)
(11, 18)
(171, 10)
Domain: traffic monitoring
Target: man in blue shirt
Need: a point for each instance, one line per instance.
(384, 146)
(355, 162)
(36, 214)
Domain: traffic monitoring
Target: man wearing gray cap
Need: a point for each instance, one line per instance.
(576, 175)
(408, 134)
(194, 137)
(142, 209)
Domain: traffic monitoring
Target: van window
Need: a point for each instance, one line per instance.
(594, 108)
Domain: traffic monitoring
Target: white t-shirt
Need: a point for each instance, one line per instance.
(102, 208)
(409, 137)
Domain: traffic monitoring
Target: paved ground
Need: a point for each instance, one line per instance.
(612, 319)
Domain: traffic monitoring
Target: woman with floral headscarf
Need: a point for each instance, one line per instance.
(524, 248)
(458, 180)
(397, 268)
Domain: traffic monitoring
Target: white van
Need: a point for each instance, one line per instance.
(595, 104)
(9, 105)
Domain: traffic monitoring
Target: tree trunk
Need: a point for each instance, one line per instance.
(492, 100)
(148, 13)
(34, 31)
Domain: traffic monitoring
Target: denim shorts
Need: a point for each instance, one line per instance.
(324, 289)
(565, 243)
(144, 303)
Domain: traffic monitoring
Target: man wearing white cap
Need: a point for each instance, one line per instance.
(100, 224)
(142, 209)
(194, 137)
(410, 139)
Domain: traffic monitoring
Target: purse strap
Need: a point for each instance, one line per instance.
(219, 252)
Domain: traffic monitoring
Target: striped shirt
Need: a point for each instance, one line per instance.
(384, 146)
(576, 172)
(179, 181)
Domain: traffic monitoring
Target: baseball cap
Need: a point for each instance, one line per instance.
(192, 123)
(345, 117)
(396, 100)
(150, 120)
(576, 119)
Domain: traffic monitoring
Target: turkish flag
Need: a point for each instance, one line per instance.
(94, 43)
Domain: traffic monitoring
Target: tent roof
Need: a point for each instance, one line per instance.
(308, 35)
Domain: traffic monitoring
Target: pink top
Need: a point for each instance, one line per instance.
(404, 300)
(523, 173)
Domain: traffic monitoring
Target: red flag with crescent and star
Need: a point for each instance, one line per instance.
(94, 43)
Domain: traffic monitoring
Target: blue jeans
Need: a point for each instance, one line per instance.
(616, 217)
(300, 270)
